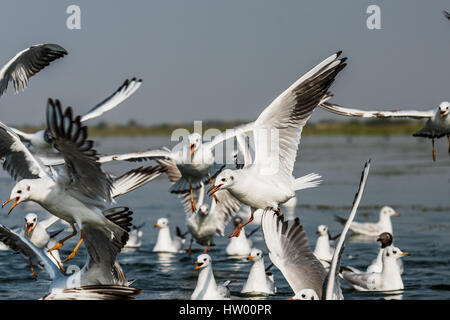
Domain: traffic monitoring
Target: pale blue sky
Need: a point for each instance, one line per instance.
(225, 59)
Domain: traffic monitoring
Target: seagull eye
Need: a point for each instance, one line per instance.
(28, 188)
(19, 191)
(204, 259)
(303, 296)
(223, 179)
(387, 254)
(394, 252)
(232, 178)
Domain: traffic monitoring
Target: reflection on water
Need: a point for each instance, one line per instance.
(402, 176)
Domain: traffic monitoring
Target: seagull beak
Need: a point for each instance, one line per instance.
(192, 149)
(250, 258)
(157, 225)
(198, 265)
(214, 189)
(396, 214)
(29, 227)
(203, 212)
(443, 113)
(14, 204)
(404, 254)
(290, 299)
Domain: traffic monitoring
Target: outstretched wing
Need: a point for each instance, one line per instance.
(125, 90)
(83, 174)
(18, 161)
(224, 210)
(446, 14)
(335, 108)
(278, 128)
(34, 255)
(94, 292)
(331, 287)
(290, 252)
(27, 63)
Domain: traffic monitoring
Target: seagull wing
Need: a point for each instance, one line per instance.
(290, 252)
(27, 63)
(94, 292)
(34, 255)
(278, 128)
(446, 14)
(138, 156)
(335, 108)
(224, 210)
(331, 285)
(19, 162)
(125, 90)
(83, 178)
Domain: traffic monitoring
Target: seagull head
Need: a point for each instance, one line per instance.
(305, 294)
(204, 209)
(21, 192)
(385, 238)
(30, 222)
(195, 140)
(255, 255)
(322, 230)
(394, 253)
(162, 223)
(202, 261)
(444, 109)
(387, 212)
(225, 180)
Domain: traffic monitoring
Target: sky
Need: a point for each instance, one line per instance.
(225, 60)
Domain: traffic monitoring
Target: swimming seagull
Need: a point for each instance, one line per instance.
(290, 252)
(27, 63)
(373, 229)
(268, 181)
(258, 282)
(164, 242)
(135, 237)
(389, 279)
(36, 232)
(239, 246)
(41, 141)
(101, 268)
(324, 250)
(386, 240)
(207, 288)
(437, 125)
(78, 191)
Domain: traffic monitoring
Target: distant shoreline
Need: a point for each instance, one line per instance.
(366, 127)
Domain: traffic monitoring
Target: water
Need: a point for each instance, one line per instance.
(402, 175)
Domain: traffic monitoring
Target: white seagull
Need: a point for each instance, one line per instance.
(437, 125)
(164, 242)
(78, 191)
(239, 246)
(386, 240)
(207, 288)
(268, 181)
(373, 229)
(291, 254)
(27, 63)
(389, 279)
(258, 282)
(135, 238)
(324, 250)
(41, 142)
(100, 274)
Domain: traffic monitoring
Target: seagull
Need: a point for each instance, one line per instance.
(268, 181)
(290, 252)
(135, 238)
(373, 229)
(165, 243)
(389, 279)
(94, 292)
(239, 246)
(41, 142)
(27, 63)
(207, 288)
(386, 240)
(324, 250)
(258, 282)
(437, 125)
(101, 268)
(77, 192)
(36, 232)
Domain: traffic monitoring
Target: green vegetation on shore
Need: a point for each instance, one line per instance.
(347, 127)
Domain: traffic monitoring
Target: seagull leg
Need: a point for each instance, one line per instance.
(434, 149)
(448, 138)
(74, 252)
(190, 247)
(278, 212)
(33, 272)
(194, 208)
(207, 249)
(59, 244)
(237, 231)
(211, 183)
